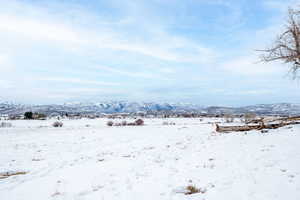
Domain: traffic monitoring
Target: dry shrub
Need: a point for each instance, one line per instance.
(191, 189)
(248, 117)
(229, 118)
(109, 123)
(57, 124)
(117, 124)
(168, 123)
(131, 124)
(165, 123)
(139, 122)
(5, 125)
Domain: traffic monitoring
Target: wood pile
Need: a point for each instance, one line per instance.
(260, 124)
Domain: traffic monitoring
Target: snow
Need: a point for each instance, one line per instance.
(154, 161)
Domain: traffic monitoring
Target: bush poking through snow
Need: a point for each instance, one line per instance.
(109, 123)
(165, 123)
(139, 122)
(117, 124)
(5, 125)
(248, 117)
(191, 189)
(168, 123)
(57, 124)
(229, 118)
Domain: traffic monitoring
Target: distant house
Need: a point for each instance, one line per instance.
(55, 114)
(39, 116)
(16, 117)
(117, 115)
(4, 117)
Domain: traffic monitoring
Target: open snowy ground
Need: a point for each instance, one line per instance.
(85, 159)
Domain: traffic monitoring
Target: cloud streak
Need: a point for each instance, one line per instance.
(162, 45)
(186, 49)
(79, 81)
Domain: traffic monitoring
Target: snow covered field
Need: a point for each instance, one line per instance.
(85, 159)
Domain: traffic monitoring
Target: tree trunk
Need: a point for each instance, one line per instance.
(224, 129)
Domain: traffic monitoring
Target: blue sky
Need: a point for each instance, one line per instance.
(198, 51)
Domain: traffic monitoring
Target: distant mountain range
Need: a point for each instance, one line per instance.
(134, 107)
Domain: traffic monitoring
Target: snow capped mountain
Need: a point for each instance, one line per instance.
(135, 107)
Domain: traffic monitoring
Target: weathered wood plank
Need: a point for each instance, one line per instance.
(254, 127)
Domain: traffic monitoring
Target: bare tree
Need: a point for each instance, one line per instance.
(286, 47)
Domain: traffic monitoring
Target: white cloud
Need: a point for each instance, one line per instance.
(37, 30)
(251, 66)
(79, 81)
(167, 70)
(254, 92)
(5, 63)
(49, 28)
(4, 84)
(147, 75)
(143, 42)
(280, 5)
